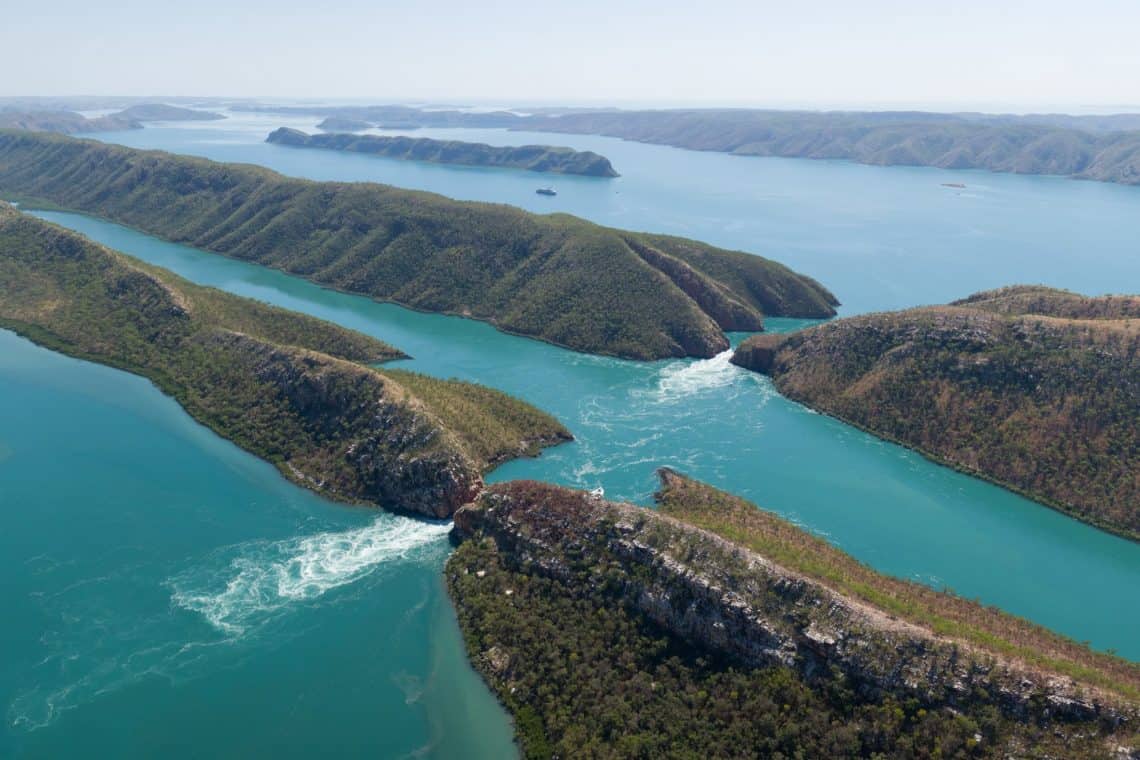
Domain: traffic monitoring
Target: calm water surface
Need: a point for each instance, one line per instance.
(165, 586)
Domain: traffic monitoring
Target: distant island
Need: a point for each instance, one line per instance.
(711, 628)
(164, 112)
(290, 388)
(1103, 148)
(70, 123)
(552, 277)
(535, 158)
(65, 122)
(1034, 388)
(342, 124)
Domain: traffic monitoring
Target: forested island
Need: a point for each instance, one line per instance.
(711, 628)
(1104, 148)
(292, 389)
(165, 112)
(1034, 388)
(535, 158)
(342, 124)
(553, 277)
(65, 122)
(70, 122)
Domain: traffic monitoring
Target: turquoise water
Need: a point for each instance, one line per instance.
(167, 594)
(173, 593)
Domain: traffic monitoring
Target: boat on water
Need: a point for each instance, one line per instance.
(597, 493)
(546, 191)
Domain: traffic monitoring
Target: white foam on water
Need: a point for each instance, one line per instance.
(93, 649)
(266, 576)
(681, 379)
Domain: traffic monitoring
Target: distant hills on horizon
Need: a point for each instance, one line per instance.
(1097, 147)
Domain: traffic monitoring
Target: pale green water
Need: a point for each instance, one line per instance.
(163, 564)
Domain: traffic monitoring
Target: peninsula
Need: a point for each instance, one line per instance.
(711, 628)
(1033, 388)
(535, 158)
(553, 277)
(289, 388)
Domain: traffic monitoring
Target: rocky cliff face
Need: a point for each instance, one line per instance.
(758, 353)
(732, 602)
(378, 444)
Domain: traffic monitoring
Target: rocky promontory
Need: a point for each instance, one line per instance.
(712, 599)
(535, 158)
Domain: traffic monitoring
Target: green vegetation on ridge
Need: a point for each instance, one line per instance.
(64, 122)
(718, 630)
(290, 388)
(557, 277)
(1033, 388)
(535, 158)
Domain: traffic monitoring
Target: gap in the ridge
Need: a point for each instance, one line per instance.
(887, 506)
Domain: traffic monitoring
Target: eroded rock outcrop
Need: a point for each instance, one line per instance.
(727, 600)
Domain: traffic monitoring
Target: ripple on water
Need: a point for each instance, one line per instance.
(657, 414)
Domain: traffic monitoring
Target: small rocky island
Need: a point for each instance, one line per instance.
(535, 158)
(1034, 388)
(710, 628)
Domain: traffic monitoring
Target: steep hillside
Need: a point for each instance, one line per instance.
(709, 628)
(287, 387)
(1036, 389)
(557, 278)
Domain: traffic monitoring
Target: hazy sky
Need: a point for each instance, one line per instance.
(824, 53)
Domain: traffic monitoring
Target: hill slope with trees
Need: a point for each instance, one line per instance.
(557, 277)
(1034, 388)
